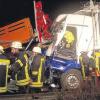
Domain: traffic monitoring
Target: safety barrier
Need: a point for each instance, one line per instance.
(88, 91)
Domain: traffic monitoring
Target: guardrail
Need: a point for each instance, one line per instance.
(88, 91)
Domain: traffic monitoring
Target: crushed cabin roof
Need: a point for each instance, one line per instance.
(88, 10)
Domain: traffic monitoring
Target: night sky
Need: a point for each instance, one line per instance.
(13, 10)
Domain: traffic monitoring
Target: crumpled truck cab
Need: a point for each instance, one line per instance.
(73, 34)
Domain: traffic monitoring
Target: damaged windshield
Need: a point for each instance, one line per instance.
(57, 26)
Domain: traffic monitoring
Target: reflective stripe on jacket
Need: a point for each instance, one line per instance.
(22, 74)
(97, 64)
(4, 63)
(83, 68)
(38, 75)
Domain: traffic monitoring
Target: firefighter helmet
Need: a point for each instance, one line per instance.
(16, 44)
(1, 49)
(37, 49)
(39, 5)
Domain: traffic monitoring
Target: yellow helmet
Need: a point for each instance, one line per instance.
(1, 49)
(37, 49)
(16, 44)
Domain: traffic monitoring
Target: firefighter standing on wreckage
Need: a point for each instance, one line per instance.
(43, 22)
(4, 63)
(37, 68)
(20, 67)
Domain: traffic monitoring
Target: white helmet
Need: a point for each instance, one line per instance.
(1, 49)
(16, 44)
(37, 49)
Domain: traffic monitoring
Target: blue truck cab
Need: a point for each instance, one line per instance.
(62, 59)
(71, 37)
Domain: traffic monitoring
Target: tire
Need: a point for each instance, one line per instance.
(71, 80)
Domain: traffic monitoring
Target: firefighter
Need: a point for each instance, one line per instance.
(69, 37)
(92, 62)
(20, 67)
(67, 46)
(85, 61)
(4, 63)
(37, 69)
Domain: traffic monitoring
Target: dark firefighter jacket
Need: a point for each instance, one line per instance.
(4, 63)
(20, 69)
(37, 71)
(84, 60)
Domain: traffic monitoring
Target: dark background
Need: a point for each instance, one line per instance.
(13, 10)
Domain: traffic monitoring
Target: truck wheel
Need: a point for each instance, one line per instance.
(71, 80)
